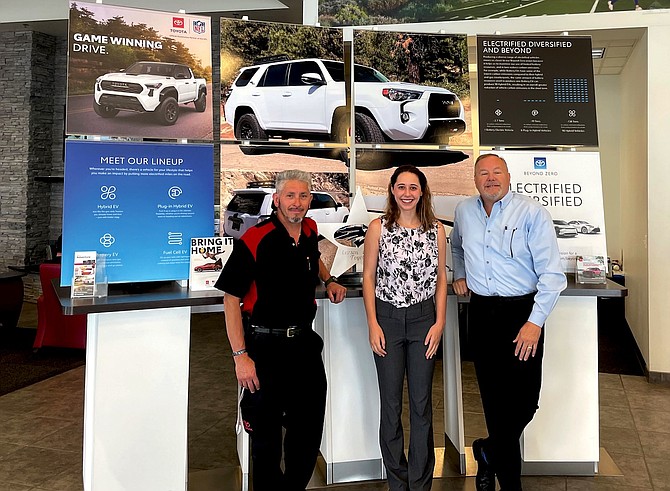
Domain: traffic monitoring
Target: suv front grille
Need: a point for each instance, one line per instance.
(131, 88)
(443, 106)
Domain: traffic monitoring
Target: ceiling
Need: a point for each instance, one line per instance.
(618, 44)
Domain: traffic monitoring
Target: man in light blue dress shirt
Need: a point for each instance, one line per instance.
(506, 258)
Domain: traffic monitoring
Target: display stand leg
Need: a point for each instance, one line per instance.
(136, 400)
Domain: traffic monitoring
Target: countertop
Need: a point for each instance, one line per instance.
(171, 294)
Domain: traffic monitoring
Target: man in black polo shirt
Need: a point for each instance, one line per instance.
(273, 272)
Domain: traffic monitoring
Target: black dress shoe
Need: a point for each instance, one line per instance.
(486, 478)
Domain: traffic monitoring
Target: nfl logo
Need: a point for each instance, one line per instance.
(199, 26)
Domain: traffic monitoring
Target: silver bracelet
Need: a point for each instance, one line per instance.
(240, 352)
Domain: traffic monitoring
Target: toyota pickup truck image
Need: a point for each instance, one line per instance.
(306, 99)
(149, 86)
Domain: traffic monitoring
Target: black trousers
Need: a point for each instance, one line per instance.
(292, 396)
(510, 388)
(405, 330)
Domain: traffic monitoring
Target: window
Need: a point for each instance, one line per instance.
(245, 77)
(322, 200)
(275, 76)
(299, 68)
(249, 203)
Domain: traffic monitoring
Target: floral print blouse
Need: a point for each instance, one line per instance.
(407, 265)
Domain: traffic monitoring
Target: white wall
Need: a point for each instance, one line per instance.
(608, 107)
(659, 199)
(634, 211)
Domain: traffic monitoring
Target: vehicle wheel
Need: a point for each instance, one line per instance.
(168, 112)
(198, 269)
(367, 130)
(248, 128)
(104, 111)
(584, 231)
(201, 103)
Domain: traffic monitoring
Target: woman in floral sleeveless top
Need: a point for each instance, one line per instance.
(405, 295)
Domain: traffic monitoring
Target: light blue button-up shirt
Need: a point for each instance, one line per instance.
(513, 252)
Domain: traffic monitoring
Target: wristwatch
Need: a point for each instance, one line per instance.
(330, 280)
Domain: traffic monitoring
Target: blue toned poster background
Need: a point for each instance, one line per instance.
(137, 204)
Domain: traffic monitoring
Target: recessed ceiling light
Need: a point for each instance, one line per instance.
(598, 53)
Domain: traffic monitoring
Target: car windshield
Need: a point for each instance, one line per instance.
(361, 73)
(249, 203)
(560, 222)
(162, 69)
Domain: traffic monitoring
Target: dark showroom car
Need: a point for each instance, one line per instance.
(584, 227)
(564, 229)
(209, 267)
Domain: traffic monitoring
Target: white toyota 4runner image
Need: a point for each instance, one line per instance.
(149, 86)
(306, 99)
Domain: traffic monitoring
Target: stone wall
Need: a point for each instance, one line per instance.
(28, 97)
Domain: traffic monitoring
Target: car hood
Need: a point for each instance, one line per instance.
(404, 86)
(125, 77)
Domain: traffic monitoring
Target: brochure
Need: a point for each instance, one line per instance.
(208, 255)
(83, 277)
(591, 269)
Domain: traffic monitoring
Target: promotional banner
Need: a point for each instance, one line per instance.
(411, 88)
(536, 91)
(281, 81)
(569, 185)
(208, 257)
(138, 73)
(136, 205)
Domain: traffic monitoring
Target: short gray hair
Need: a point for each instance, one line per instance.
(292, 175)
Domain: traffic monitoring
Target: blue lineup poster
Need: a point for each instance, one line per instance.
(137, 205)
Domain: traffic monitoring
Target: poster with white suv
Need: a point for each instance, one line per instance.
(288, 82)
(138, 73)
(253, 204)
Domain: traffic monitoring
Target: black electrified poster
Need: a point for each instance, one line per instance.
(536, 91)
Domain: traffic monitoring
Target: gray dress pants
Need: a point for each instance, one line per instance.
(405, 331)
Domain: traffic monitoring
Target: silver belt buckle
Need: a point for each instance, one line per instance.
(291, 332)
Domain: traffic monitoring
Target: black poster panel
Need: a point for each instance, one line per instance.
(536, 91)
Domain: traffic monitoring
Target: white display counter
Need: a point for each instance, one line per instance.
(136, 394)
(562, 439)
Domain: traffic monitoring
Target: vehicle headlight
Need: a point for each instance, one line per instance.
(401, 94)
(157, 85)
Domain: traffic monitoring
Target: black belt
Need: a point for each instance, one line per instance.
(286, 332)
(499, 299)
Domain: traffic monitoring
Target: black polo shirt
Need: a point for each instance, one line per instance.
(275, 277)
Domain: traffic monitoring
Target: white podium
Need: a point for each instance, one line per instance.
(136, 400)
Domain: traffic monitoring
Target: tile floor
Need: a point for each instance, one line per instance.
(41, 431)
